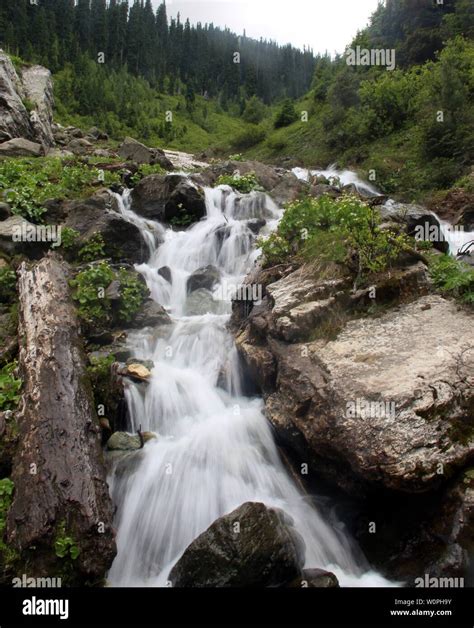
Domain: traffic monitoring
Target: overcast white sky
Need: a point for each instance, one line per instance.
(322, 24)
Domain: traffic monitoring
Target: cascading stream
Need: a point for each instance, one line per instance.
(214, 449)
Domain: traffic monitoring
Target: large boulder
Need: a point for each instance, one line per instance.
(132, 150)
(20, 147)
(14, 118)
(34, 84)
(38, 86)
(372, 412)
(253, 546)
(18, 236)
(98, 214)
(168, 198)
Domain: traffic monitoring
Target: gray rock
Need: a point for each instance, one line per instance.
(151, 314)
(122, 441)
(97, 214)
(206, 277)
(202, 302)
(14, 118)
(133, 150)
(165, 198)
(20, 147)
(80, 146)
(165, 272)
(38, 85)
(267, 551)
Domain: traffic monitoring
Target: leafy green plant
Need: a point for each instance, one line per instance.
(65, 546)
(236, 157)
(6, 496)
(326, 229)
(244, 183)
(69, 238)
(132, 293)
(95, 307)
(10, 387)
(89, 291)
(93, 249)
(7, 284)
(26, 183)
(453, 277)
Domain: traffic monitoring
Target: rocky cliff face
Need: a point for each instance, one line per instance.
(378, 405)
(26, 103)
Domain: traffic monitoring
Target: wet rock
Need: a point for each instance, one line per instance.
(206, 277)
(135, 151)
(137, 372)
(97, 214)
(122, 441)
(255, 225)
(20, 147)
(202, 302)
(151, 314)
(167, 198)
(266, 551)
(315, 579)
(165, 272)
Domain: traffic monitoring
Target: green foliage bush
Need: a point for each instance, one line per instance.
(250, 137)
(244, 183)
(453, 277)
(254, 111)
(94, 306)
(93, 249)
(10, 387)
(7, 284)
(69, 238)
(26, 183)
(327, 228)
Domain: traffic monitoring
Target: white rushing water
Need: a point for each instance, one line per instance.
(214, 448)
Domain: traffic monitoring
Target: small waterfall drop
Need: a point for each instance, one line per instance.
(214, 448)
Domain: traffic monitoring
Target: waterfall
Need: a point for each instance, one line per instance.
(214, 449)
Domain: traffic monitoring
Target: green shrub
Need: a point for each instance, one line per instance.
(132, 293)
(254, 111)
(327, 229)
(26, 183)
(6, 497)
(95, 307)
(93, 249)
(7, 284)
(453, 277)
(10, 387)
(65, 546)
(89, 291)
(69, 238)
(244, 183)
(249, 137)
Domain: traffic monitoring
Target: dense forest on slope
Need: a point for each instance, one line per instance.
(175, 84)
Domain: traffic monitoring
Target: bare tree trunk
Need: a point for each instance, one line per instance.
(60, 483)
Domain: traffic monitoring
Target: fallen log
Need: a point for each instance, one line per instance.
(61, 516)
